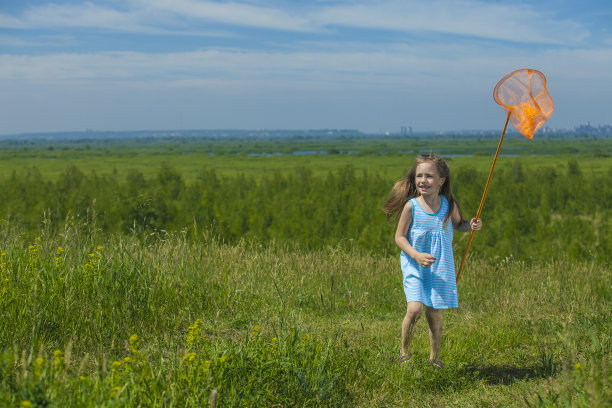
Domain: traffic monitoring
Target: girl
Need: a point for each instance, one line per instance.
(426, 208)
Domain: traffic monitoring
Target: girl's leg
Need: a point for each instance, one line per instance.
(434, 319)
(413, 313)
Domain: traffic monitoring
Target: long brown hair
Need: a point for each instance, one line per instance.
(406, 188)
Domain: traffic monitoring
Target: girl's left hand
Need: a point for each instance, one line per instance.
(475, 224)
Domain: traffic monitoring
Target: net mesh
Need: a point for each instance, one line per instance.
(523, 95)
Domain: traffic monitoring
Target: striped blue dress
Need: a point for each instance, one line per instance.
(434, 286)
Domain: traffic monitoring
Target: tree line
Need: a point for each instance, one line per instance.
(530, 212)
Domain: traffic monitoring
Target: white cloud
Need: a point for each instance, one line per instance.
(223, 65)
(509, 22)
(87, 15)
(506, 21)
(7, 21)
(156, 16)
(40, 41)
(388, 66)
(234, 13)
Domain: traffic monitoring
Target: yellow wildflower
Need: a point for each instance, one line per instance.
(273, 344)
(196, 325)
(134, 343)
(39, 366)
(189, 357)
(195, 332)
(33, 254)
(59, 257)
(223, 359)
(25, 404)
(3, 262)
(58, 358)
(94, 261)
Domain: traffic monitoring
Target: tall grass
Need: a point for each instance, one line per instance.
(163, 321)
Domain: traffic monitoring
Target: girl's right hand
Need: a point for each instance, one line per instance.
(425, 260)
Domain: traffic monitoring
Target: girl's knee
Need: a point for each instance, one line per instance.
(434, 319)
(433, 314)
(414, 311)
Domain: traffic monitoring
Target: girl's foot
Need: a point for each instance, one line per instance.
(436, 363)
(403, 358)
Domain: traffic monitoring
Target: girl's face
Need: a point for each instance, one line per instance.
(427, 179)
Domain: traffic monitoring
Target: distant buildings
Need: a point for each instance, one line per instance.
(587, 128)
(405, 130)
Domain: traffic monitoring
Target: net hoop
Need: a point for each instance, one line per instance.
(515, 94)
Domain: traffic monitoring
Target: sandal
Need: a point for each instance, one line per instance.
(403, 358)
(436, 363)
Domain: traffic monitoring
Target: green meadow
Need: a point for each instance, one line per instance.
(257, 157)
(154, 273)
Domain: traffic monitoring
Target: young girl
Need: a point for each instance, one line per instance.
(427, 209)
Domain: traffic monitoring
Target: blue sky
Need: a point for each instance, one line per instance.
(372, 65)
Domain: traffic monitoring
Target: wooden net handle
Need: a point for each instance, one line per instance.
(484, 195)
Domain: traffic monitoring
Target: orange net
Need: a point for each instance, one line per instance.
(523, 95)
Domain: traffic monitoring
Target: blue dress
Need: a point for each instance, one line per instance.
(434, 286)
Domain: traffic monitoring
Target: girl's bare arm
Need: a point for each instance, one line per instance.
(464, 225)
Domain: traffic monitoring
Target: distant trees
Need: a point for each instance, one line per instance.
(529, 212)
(542, 212)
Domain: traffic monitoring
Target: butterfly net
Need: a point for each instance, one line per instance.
(523, 95)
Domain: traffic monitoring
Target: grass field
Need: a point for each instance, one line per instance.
(115, 321)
